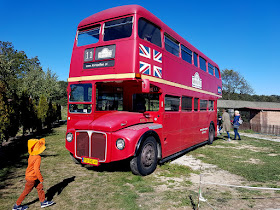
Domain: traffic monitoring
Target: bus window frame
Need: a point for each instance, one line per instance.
(155, 25)
(118, 18)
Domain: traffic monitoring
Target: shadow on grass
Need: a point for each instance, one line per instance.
(56, 189)
(192, 202)
(14, 154)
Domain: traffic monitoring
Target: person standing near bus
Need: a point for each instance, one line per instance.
(226, 123)
(236, 124)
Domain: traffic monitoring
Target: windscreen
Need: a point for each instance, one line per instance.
(80, 93)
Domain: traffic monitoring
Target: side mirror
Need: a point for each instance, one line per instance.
(145, 85)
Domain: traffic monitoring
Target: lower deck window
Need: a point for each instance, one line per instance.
(109, 98)
(125, 96)
(186, 103)
(195, 104)
(211, 105)
(145, 102)
(172, 103)
(203, 105)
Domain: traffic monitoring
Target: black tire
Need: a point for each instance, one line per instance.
(211, 134)
(75, 160)
(145, 162)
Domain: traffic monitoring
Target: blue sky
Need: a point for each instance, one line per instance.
(243, 35)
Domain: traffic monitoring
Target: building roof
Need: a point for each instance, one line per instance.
(233, 104)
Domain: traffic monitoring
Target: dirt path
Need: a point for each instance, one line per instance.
(260, 136)
(230, 197)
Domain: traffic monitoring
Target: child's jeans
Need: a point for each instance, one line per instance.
(236, 133)
(28, 188)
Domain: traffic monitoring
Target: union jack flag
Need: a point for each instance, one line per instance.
(157, 71)
(144, 51)
(145, 68)
(157, 56)
(152, 64)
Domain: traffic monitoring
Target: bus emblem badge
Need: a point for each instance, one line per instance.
(196, 81)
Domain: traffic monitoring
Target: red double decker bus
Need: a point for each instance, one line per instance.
(138, 91)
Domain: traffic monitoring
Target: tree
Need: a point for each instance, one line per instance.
(9, 124)
(4, 114)
(42, 110)
(62, 99)
(234, 83)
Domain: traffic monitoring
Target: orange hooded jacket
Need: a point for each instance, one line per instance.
(35, 147)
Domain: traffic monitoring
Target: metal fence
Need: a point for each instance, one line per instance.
(266, 129)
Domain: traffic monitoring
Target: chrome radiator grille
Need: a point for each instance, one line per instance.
(91, 144)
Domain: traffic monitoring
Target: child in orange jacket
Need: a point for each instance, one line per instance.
(33, 175)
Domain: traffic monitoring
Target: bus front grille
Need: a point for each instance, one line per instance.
(82, 144)
(91, 144)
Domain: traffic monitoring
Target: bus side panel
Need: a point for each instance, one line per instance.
(171, 133)
(131, 138)
(187, 123)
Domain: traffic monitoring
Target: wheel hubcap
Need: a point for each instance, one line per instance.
(148, 155)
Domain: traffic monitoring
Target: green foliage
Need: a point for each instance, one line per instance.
(4, 114)
(235, 87)
(234, 83)
(9, 124)
(42, 109)
(23, 82)
(28, 113)
(62, 96)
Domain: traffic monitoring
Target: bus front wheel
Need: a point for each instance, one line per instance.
(145, 162)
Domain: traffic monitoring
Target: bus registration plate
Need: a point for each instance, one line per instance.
(86, 160)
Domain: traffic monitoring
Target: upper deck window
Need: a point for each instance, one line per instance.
(186, 54)
(118, 29)
(195, 59)
(202, 63)
(210, 69)
(90, 36)
(171, 45)
(149, 32)
(217, 73)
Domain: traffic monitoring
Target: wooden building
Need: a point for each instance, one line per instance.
(263, 117)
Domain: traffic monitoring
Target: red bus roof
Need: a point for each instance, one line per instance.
(136, 9)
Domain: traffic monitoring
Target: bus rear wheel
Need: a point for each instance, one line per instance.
(145, 162)
(211, 134)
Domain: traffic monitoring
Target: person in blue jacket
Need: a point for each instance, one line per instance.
(236, 124)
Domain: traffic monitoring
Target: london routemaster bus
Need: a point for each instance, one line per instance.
(137, 91)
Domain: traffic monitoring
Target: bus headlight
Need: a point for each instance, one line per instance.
(69, 137)
(120, 144)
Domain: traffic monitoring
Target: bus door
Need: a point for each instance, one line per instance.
(171, 125)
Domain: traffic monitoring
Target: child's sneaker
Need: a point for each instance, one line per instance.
(19, 207)
(46, 203)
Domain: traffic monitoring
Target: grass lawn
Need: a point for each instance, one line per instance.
(113, 186)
